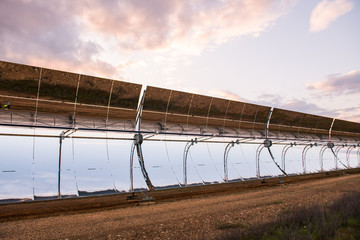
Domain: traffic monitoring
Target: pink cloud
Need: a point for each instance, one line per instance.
(338, 83)
(327, 12)
(45, 34)
(224, 94)
(158, 24)
(350, 114)
(300, 105)
(78, 35)
(304, 106)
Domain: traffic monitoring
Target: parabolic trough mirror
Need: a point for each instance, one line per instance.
(67, 135)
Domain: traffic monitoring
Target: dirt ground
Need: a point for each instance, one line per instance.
(174, 214)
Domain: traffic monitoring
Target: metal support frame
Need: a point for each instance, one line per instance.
(258, 151)
(189, 111)
(321, 156)
(138, 140)
(348, 152)
(132, 167)
(226, 154)
(336, 153)
(358, 155)
(62, 136)
(37, 97)
(303, 155)
(186, 151)
(330, 145)
(267, 143)
(268, 123)
(283, 154)
(330, 129)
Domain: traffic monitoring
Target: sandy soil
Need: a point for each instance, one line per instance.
(201, 216)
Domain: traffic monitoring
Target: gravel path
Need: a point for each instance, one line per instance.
(202, 217)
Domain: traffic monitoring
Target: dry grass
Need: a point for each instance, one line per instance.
(341, 219)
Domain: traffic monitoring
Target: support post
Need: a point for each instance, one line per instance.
(62, 136)
(303, 155)
(226, 154)
(186, 151)
(258, 151)
(59, 169)
(336, 151)
(348, 152)
(330, 129)
(132, 167)
(321, 155)
(358, 155)
(268, 123)
(138, 140)
(268, 144)
(283, 154)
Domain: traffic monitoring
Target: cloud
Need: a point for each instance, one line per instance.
(224, 94)
(348, 83)
(304, 106)
(300, 105)
(179, 24)
(98, 37)
(327, 12)
(294, 104)
(350, 114)
(45, 34)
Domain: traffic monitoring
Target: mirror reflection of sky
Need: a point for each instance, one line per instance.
(29, 166)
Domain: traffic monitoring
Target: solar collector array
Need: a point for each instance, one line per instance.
(36, 89)
(66, 93)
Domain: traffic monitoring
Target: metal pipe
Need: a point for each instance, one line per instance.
(258, 151)
(148, 132)
(337, 149)
(59, 169)
(336, 152)
(62, 136)
(348, 152)
(283, 153)
(185, 154)
(303, 156)
(272, 157)
(226, 154)
(268, 123)
(332, 124)
(132, 167)
(137, 142)
(321, 156)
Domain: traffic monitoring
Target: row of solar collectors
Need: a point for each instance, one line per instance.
(179, 107)
(58, 91)
(30, 88)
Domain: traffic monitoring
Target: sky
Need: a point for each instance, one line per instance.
(298, 55)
